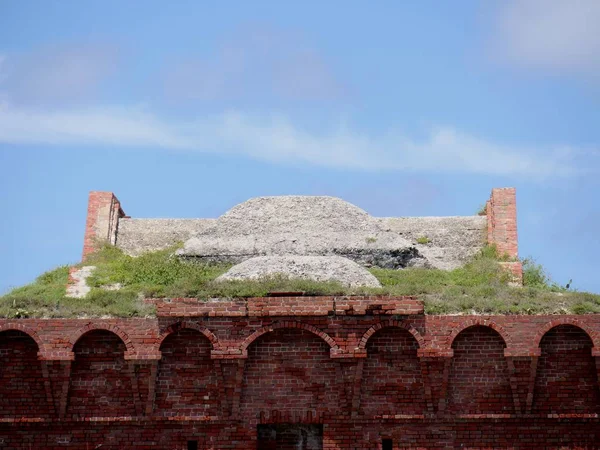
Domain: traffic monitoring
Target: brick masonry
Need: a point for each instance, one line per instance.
(501, 210)
(103, 214)
(300, 375)
(301, 372)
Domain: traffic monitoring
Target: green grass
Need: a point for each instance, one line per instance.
(480, 287)
(45, 297)
(423, 240)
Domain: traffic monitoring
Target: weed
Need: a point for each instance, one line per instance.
(423, 240)
(534, 274)
(478, 287)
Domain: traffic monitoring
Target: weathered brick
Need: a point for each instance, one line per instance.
(422, 381)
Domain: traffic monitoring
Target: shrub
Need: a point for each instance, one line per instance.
(534, 274)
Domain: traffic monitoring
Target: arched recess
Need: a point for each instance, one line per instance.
(288, 324)
(476, 321)
(392, 382)
(391, 323)
(100, 379)
(22, 391)
(479, 381)
(11, 326)
(593, 335)
(75, 336)
(175, 327)
(566, 380)
(289, 369)
(187, 380)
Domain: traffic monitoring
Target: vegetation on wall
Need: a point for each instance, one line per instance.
(479, 287)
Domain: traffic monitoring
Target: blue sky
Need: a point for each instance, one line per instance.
(184, 109)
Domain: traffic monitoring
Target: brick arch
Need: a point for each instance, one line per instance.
(287, 324)
(11, 326)
(23, 392)
(594, 336)
(195, 391)
(389, 324)
(102, 384)
(479, 380)
(75, 336)
(392, 381)
(478, 322)
(214, 341)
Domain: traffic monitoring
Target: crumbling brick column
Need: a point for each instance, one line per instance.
(502, 221)
(104, 211)
(502, 229)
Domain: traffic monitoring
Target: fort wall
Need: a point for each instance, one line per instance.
(327, 372)
(359, 369)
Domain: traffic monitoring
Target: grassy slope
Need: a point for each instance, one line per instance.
(480, 287)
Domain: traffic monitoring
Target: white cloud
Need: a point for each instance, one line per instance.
(277, 139)
(557, 35)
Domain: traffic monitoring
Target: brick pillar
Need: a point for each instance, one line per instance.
(104, 211)
(502, 221)
(435, 369)
(522, 369)
(502, 229)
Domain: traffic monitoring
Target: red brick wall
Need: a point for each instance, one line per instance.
(22, 392)
(517, 433)
(567, 381)
(100, 384)
(289, 372)
(479, 382)
(186, 384)
(529, 433)
(423, 381)
(391, 381)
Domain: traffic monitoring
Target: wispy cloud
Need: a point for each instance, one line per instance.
(254, 62)
(278, 139)
(55, 73)
(556, 35)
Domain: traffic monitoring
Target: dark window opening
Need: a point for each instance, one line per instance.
(387, 444)
(192, 445)
(290, 436)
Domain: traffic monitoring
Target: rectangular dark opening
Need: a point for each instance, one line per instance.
(192, 445)
(289, 436)
(387, 444)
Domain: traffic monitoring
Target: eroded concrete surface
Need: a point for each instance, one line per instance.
(311, 226)
(318, 268)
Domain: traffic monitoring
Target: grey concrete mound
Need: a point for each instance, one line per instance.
(299, 225)
(317, 268)
(321, 226)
